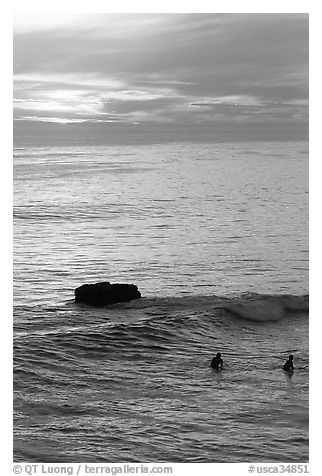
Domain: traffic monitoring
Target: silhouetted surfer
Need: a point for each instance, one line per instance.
(217, 362)
(288, 366)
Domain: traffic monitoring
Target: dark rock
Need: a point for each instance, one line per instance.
(103, 294)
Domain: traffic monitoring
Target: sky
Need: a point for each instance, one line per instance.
(207, 69)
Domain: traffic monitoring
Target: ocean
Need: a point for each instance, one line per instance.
(215, 235)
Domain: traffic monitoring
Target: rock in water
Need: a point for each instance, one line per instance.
(103, 294)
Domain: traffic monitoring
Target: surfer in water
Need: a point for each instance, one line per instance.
(217, 362)
(288, 366)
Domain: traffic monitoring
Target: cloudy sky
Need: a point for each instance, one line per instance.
(217, 69)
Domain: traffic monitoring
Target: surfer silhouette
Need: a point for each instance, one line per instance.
(217, 362)
(288, 366)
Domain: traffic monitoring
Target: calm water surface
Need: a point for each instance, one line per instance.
(196, 226)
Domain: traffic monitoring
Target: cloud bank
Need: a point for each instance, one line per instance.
(193, 69)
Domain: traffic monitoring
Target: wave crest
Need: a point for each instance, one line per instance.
(268, 308)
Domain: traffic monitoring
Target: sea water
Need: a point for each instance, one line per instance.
(203, 229)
